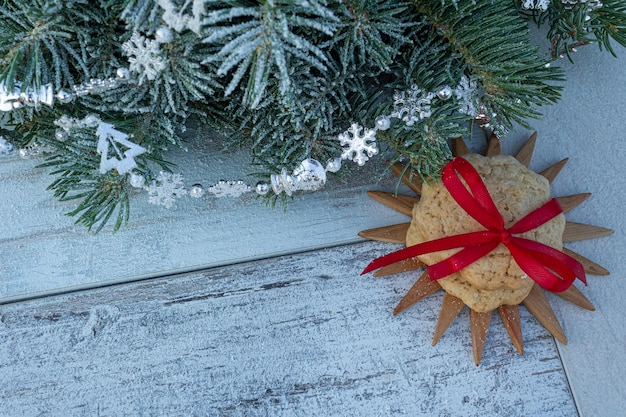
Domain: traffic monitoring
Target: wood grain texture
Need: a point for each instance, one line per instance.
(293, 336)
(41, 251)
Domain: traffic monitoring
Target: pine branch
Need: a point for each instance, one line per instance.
(255, 41)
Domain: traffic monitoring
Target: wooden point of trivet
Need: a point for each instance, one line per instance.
(538, 305)
(405, 265)
(570, 202)
(480, 326)
(493, 146)
(551, 173)
(401, 203)
(578, 231)
(396, 233)
(574, 296)
(450, 308)
(513, 325)
(459, 147)
(413, 181)
(590, 266)
(422, 288)
(526, 153)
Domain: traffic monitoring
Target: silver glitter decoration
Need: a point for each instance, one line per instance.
(225, 188)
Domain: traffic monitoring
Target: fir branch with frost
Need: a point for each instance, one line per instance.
(257, 41)
(282, 78)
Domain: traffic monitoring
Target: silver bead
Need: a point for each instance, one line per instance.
(333, 165)
(123, 73)
(262, 188)
(137, 180)
(64, 97)
(163, 35)
(445, 93)
(383, 122)
(196, 191)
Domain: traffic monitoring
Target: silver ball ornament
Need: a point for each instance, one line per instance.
(383, 122)
(445, 93)
(196, 191)
(309, 175)
(262, 188)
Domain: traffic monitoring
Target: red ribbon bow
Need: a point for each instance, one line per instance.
(550, 268)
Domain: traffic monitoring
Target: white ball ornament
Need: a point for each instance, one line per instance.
(137, 180)
(196, 191)
(262, 188)
(334, 164)
(163, 35)
(383, 122)
(123, 74)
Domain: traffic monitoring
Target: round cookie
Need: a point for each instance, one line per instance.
(495, 279)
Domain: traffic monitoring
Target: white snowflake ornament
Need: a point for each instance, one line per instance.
(361, 144)
(465, 94)
(166, 189)
(536, 4)
(176, 19)
(144, 56)
(412, 105)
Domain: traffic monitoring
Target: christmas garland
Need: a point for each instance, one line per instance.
(102, 91)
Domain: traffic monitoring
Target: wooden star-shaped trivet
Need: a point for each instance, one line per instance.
(536, 302)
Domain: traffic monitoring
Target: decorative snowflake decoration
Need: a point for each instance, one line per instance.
(144, 56)
(175, 19)
(5, 147)
(412, 105)
(536, 4)
(591, 4)
(360, 146)
(166, 189)
(465, 94)
(229, 188)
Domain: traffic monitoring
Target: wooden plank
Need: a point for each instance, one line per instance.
(297, 335)
(42, 252)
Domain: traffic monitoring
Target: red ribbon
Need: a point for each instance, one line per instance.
(550, 268)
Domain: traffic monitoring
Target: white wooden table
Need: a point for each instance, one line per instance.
(228, 308)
